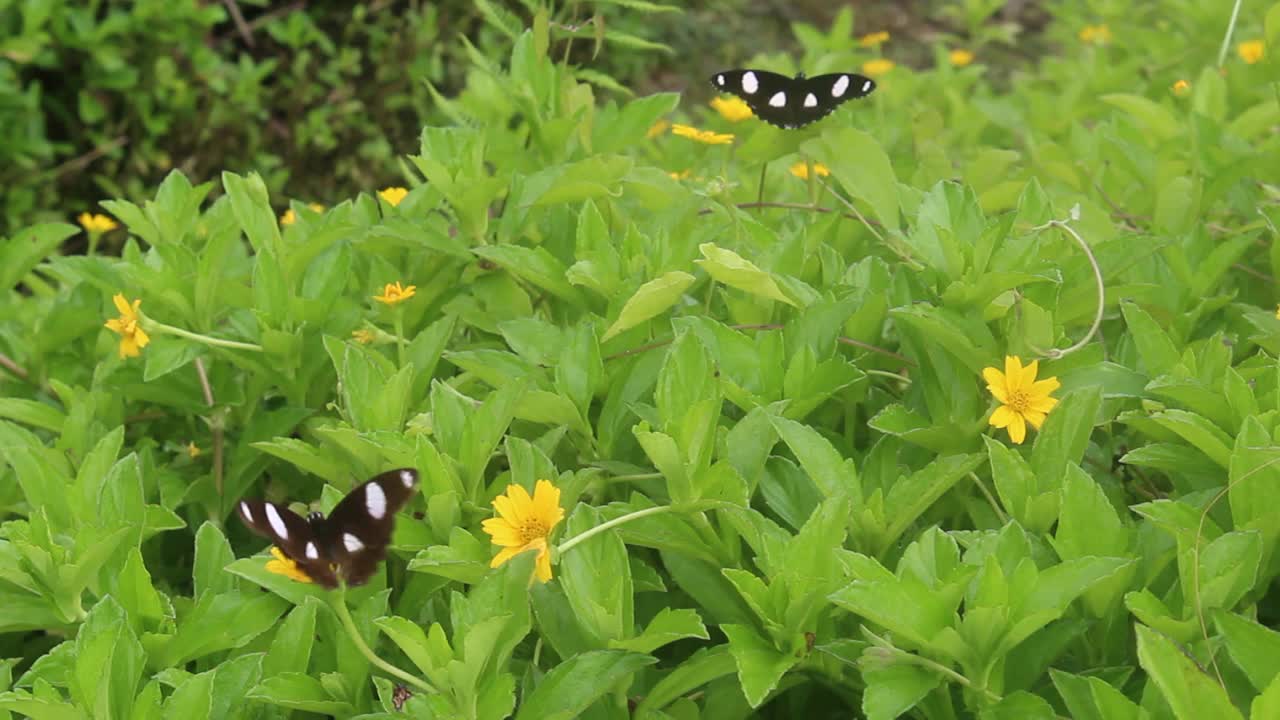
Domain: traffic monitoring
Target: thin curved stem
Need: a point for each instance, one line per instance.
(1054, 353)
(338, 601)
(567, 545)
(159, 327)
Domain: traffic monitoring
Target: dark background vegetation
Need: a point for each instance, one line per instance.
(102, 99)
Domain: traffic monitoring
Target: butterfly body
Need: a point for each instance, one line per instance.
(347, 545)
(792, 102)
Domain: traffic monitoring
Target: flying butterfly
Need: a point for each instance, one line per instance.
(792, 102)
(350, 542)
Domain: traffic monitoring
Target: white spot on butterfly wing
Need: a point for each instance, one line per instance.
(841, 85)
(750, 83)
(407, 476)
(811, 100)
(778, 100)
(375, 500)
(244, 510)
(720, 80)
(277, 523)
(351, 543)
(866, 87)
(311, 551)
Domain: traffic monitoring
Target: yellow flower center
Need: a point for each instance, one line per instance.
(533, 529)
(1019, 401)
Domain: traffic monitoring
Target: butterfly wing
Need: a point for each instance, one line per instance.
(290, 532)
(766, 93)
(817, 97)
(358, 530)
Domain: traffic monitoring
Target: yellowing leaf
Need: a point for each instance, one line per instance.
(650, 300)
(732, 269)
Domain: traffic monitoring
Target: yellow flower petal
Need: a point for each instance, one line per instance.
(1017, 430)
(1035, 418)
(877, 67)
(542, 567)
(960, 57)
(703, 136)
(1012, 372)
(995, 383)
(393, 195)
(733, 109)
(1251, 51)
(525, 522)
(1002, 416)
(1046, 386)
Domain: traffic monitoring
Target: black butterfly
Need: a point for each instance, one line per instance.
(350, 542)
(792, 102)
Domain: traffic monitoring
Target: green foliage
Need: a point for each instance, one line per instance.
(767, 420)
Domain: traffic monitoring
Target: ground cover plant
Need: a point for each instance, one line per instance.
(959, 403)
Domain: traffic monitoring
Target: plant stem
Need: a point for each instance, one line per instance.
(338, 601)
(400, 335)
(159, 327)
(576, 539)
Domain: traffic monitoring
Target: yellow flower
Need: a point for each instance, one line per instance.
(1181, 87)
(364, 337)
(801, 170)
(732, 109)
(128, 326)
(193, 450)
(289, 217)
(1251, 51)
(316, 206)
(960, 57)
(394, 294)
(96, 223)
(1096, 34)
(1022, 399)
(702, 136)
(877, 67)
(393, 195)
(525, 523)
(657, 129)
(283, 565)
(682, 175)
(873, 39)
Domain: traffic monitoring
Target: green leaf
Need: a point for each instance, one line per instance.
(252, 207)
(668, 626)
(861, 166)
(701, 668)
(30, 412)
(650, 300)
(895, 689)
(290, 650)
(597, 580)
(573, 685)
(1155, 118)
(299, 692)
(1191, 693)
(1064, 436)
(36, 708)
(1157, 351)
(213, 555)
(831, 472)
(760, 665)
(1253, 647)
(730, 268)
(534, 265)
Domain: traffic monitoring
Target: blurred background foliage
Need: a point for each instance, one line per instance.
(103, 98)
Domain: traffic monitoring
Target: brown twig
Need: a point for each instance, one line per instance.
(215, 424)
(265, 18)
(8, 364)
(76, 164)
(238, 18)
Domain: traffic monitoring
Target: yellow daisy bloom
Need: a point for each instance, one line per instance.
(393, 195)
(525, 523)
(873, 39)
(960, 57)
(877, 67)
(193, 450)
(393, 294)
(289, 217)
(801, 170)
(732, 109)
(1180, 88)
(128, 326)
(682, 175)
(1022, 399)
(283, 565)
(364, 337)
(703, 136)
(657, 129)
(1251, 51)
(96, 223)
(1096, 34)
